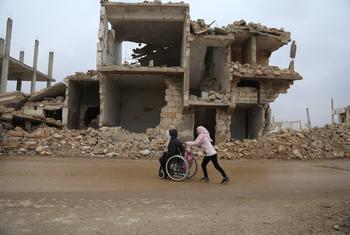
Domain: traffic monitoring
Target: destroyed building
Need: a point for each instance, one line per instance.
(38, 107)
(187, 74)
(343, 114)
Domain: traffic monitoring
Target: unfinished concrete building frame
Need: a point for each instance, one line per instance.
(187, 74)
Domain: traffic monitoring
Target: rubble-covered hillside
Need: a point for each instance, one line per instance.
(331, 141)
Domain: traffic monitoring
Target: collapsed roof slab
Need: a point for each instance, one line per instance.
(58, 89)
(20, 71)
(14, 97)
(264, 41)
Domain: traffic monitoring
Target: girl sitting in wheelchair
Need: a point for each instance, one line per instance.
(175, 147)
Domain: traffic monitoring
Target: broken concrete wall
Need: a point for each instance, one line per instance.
(270, 90)
(246, 95)
(173, 114)
(133, 102)
(112, 103)
(140, 108)
(223, 124)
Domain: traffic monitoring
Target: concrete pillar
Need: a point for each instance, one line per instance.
(253, 45)
(2, 46)
(5, 61)
(185, 59)
(49, 70)
(249, 51)
(102, 50)
(19, 81)
(308, 118)
(21, 56)
(35, 65)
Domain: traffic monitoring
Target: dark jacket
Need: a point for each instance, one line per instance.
(175, 146)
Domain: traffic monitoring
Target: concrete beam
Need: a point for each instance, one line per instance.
(50, 68)
(35, 65)
(139, 12)
(19, 80)
(5, 61)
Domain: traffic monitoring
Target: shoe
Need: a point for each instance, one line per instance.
(225, 180)
(204, 179)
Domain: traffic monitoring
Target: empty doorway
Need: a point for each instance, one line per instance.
(246, 122)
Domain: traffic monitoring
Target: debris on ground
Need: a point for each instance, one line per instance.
(329, 142)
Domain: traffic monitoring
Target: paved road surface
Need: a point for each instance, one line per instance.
(57, 195)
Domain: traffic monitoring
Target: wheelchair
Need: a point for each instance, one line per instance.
(179, 167)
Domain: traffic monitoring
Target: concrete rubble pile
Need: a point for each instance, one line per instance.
(34, 109)
(242, 25)
(104, 142)
(82, 75)
(238, 69)
(331, 141)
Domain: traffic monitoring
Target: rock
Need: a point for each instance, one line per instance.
(15, 133)
(338, 154)
(111, 154)
(145, 152)
(297, 154)
(85, 148)
(58, 136)
(92, 141)
(39, 149)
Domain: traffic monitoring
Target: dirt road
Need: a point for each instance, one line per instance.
(46, 195)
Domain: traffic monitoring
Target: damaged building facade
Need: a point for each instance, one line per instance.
(186, 74)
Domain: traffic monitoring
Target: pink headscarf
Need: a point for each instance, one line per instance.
(202, 133)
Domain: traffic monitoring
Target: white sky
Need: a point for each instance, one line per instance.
(320, 28)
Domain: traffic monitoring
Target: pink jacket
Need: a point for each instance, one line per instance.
(204, 141)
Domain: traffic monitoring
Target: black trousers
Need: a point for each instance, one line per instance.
(163, 161)
(214, 159)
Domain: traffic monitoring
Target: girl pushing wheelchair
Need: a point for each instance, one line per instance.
(180, 164)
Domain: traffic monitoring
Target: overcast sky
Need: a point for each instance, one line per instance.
(320, 28)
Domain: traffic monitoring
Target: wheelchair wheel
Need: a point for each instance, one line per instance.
(177, 168)
(193, 167)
